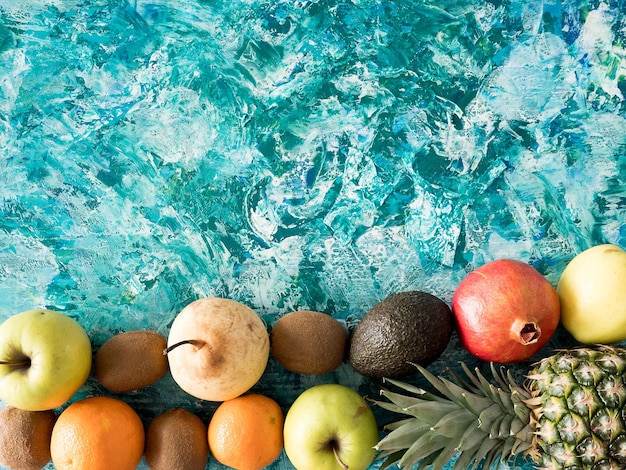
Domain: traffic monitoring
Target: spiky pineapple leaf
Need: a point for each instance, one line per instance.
(492, 458)
(472, 437)
(439, 385)
(390, 456)
(469, 382)
(431, 412)
(504, 428)
(397, 424)
(522, 402)
(403, 436)
(413, 389)
(470, 416)
(426, 445)
(450, 424)
(402, 401)
(446, 454)
(494, 430)
(471, 460)
(389, 406)
(490, 414)
(426, 462)
(502, 376)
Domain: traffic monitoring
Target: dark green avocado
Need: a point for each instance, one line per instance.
(407, 328)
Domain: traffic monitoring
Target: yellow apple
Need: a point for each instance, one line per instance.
(45, 357)
(592, 291)
(217, 349)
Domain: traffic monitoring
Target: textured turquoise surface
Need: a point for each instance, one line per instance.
(298, 154)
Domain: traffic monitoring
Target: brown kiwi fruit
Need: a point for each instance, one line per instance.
(407, 328)
(177, 440)
(25, 438)
(131, 361)
(308, 342)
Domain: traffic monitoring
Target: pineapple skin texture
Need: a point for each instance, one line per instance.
(579, 409)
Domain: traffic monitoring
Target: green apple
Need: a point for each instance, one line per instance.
(330, 427)
(592, 291)
(45, 357)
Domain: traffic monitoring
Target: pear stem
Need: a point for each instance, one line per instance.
(194, 342)
(336, 454)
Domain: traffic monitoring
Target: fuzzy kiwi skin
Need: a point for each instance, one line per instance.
(25, 438)
(176, 440)
(308, 342)
(131, 361)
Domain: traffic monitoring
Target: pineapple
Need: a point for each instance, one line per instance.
(570, 413)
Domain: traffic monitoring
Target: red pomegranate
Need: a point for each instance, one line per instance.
(506, 311)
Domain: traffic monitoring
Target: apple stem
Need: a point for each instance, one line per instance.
(20, 363)
(194, 342)
(336, 454)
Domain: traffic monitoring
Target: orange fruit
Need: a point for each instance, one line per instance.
(97, 433)
(246, 433)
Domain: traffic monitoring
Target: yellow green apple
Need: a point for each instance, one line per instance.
(217, 348)
(45, 357)
(330, 427)
(592, 291)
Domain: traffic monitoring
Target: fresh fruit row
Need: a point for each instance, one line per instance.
(327, 426)
(218, 349)
(503, 312)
